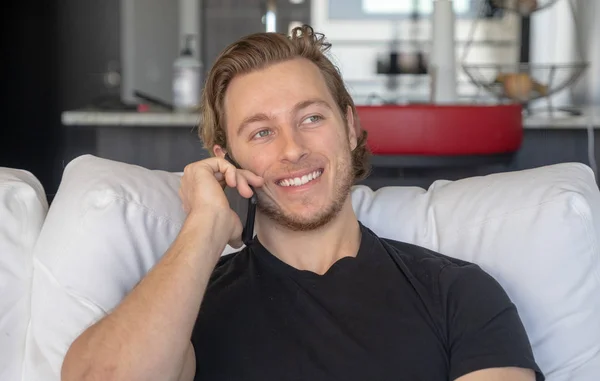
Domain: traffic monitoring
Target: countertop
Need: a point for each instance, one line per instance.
(129, 118)
(590, 116)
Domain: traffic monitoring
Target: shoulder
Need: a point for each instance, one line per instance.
(473, 305)
(230, 267)
(229, 260)
(454, 277)
(452, 287)
(472, 294)
(423, 262)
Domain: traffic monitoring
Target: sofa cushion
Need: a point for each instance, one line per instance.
(535, 231)
(108, 224)
(23, 207)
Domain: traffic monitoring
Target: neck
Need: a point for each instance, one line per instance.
(316, 250)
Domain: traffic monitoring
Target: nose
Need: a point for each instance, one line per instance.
(293, 146)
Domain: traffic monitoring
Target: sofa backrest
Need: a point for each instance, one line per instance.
(535, 231)
(23, 207)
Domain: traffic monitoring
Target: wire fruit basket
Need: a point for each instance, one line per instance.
(524, 82)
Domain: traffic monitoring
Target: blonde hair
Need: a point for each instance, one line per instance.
(258, 51)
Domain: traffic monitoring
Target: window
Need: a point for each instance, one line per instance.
(406, 7)
(402, 9)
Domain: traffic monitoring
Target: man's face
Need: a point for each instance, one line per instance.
(283, 125)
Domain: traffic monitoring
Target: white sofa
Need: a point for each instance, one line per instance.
(23, 208)
(535, 231)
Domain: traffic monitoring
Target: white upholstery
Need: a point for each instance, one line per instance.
(23, 207)
(536, 231)
(107, 226)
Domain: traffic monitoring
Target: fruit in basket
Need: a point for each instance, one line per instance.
(500, 78)
(517, 86)
(540, 88)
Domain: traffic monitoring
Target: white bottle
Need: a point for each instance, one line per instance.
(187, 81)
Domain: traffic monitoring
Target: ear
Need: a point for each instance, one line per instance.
(352, 140)
(219, 151)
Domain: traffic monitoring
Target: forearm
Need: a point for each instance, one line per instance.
(147, 336)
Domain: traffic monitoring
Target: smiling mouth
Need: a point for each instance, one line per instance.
(299, 181)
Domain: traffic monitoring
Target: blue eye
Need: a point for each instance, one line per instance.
(262, 133)
(314, 118)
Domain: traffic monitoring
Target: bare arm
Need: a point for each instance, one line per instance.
(500, 374)
(147, 337)
(189, 366)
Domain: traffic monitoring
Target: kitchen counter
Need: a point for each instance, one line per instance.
(590, 115)
(129, 118)
(169, 141)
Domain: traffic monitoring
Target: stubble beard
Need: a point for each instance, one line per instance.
(343, 185)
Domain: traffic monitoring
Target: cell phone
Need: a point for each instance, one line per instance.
(248, 232)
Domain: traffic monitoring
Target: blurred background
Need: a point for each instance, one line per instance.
(103, 77)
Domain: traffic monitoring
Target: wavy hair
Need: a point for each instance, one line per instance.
(258, 51)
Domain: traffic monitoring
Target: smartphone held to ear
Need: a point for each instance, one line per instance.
(248, 232)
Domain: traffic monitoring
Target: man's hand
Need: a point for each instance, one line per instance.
(201, 191)
(147, 336)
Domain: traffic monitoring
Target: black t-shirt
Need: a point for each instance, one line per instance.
(396, 311)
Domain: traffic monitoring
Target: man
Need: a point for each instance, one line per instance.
(316, 295)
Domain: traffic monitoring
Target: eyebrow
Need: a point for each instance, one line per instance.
(261, 117)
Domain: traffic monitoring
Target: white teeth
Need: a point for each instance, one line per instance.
(297, 181)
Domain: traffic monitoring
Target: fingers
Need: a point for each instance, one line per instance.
(237, 178)
(224, 171)
(227, 175)
(215, 165)
(253, 179)
(245, 179)
(230, 176)
(242, 185)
